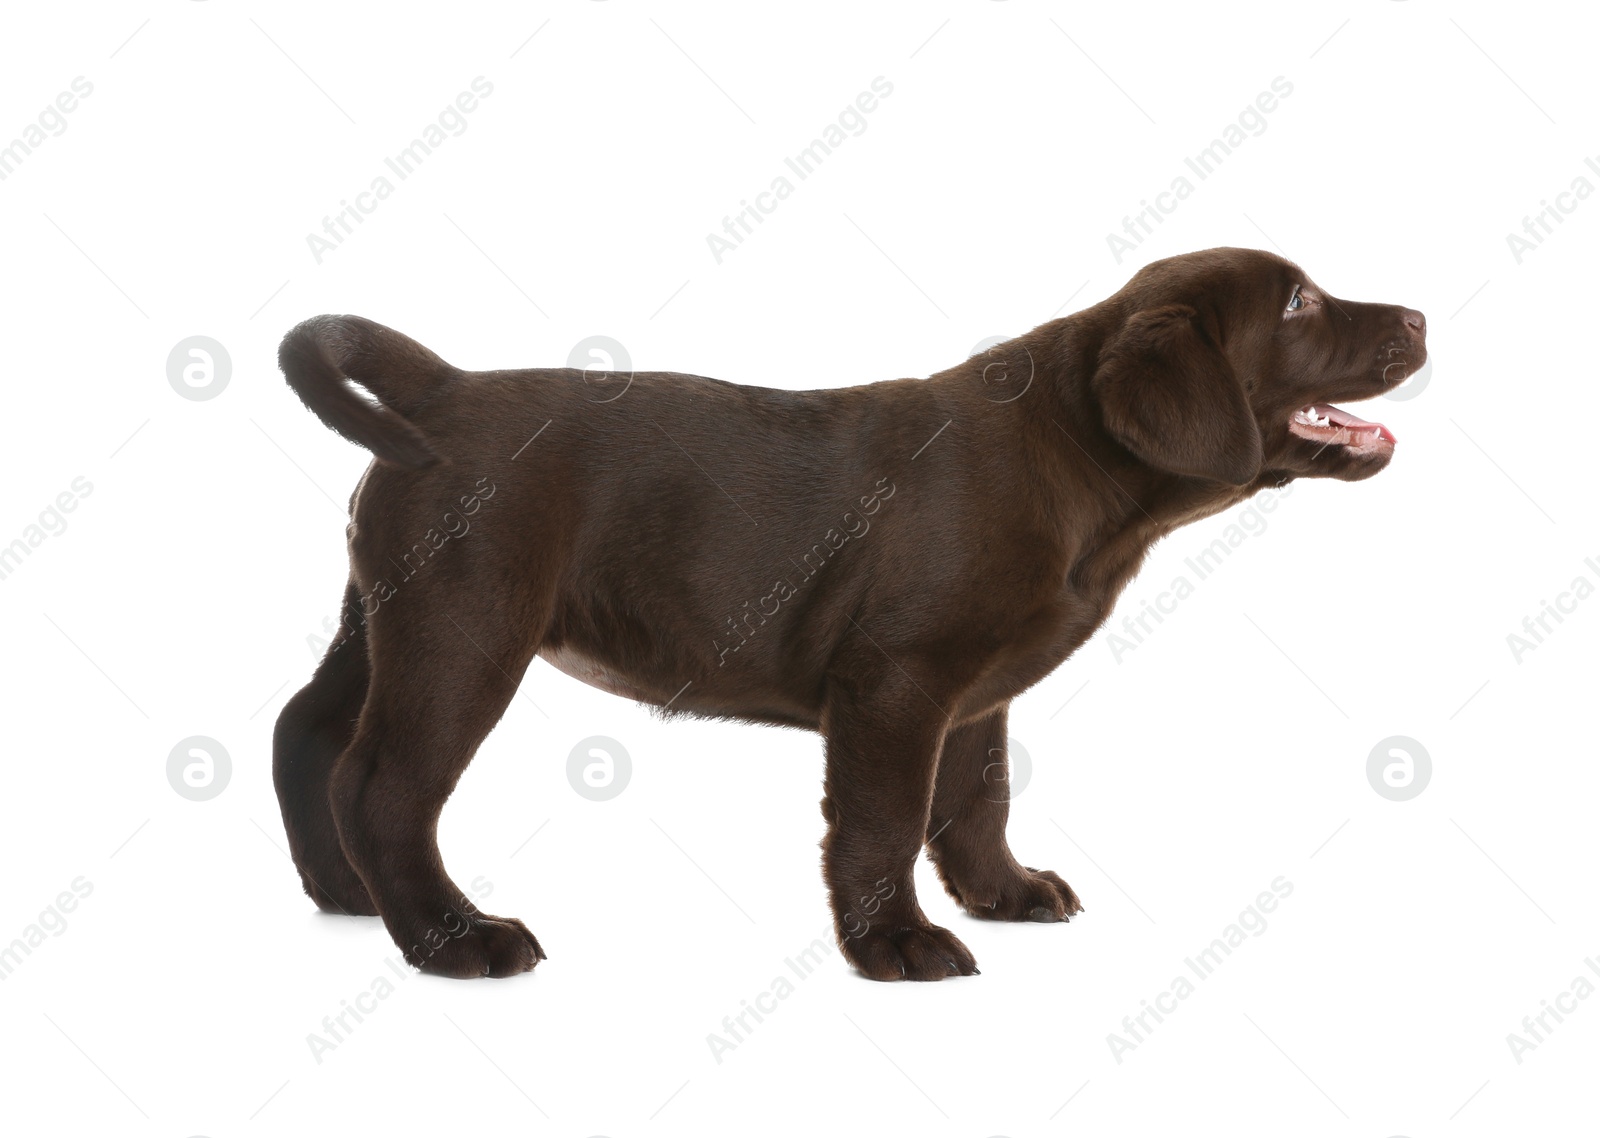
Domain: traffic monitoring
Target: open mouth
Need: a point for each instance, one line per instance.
(1327, 425)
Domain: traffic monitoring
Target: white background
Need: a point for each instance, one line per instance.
(1227, 749)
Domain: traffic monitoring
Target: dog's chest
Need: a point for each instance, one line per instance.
(1036, 646)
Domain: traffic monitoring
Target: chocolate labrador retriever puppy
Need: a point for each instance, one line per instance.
(889, 565)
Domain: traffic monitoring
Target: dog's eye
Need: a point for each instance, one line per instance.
(1295, 302)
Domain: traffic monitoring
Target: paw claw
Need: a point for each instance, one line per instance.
(1026, 894)
(490, 946)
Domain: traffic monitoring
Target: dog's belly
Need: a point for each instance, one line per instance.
(593, 672)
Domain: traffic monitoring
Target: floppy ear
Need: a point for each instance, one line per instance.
(1167, 394)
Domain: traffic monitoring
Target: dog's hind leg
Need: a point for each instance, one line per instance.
(313, 730)
(443, 674)
(967, 832)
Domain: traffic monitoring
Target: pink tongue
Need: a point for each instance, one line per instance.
(1343, 418)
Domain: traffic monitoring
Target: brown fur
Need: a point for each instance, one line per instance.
(889, 565)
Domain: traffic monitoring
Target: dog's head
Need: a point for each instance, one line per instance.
(1225, 365)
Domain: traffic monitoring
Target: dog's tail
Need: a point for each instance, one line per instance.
(321, 356)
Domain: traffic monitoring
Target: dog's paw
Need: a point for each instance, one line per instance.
(1026, 895)
(925, 952)
(490, 946)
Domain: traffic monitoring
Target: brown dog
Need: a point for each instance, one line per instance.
(889, 565)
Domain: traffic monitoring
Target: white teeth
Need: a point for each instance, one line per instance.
(1309, 417)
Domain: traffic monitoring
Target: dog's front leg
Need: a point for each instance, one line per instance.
(967, 832)
(882, 752)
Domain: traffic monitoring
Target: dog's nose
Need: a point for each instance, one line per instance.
(1415, 321)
